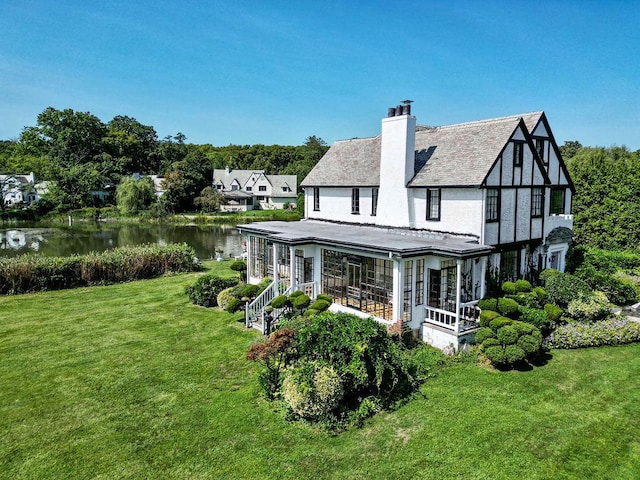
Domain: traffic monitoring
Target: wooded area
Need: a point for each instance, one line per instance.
(80, 154)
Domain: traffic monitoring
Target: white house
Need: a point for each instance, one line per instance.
(18, 189)
(412, 224)
(248, 189)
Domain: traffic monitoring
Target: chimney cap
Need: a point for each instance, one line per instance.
(407, 102)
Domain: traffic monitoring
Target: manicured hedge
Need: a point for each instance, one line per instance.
(29, 273)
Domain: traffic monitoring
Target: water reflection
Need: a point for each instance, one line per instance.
(82, 239)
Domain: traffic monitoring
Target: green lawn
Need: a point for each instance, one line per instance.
(132, 381)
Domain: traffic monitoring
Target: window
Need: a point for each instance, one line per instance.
(540, 150)
(316, 199)
(419, 281)
(509, 265)
(433, 204)
(260, 198)
(286, 189)
(557, 201)
(518, 149)
(355, 201)
(408, 285)
(493, 205)
(374, 202)
(234, 186)
(248, 189)
(536, 201)
(262, 188)
(218, 187)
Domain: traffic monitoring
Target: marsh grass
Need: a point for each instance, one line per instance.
(133, 381)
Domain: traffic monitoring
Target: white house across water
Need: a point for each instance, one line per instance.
(412, 224)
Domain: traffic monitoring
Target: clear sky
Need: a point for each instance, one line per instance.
(275, 72)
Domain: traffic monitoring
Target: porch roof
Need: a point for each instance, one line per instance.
(403, 242)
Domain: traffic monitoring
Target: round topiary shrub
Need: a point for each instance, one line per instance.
(499, 322)
(234, 305)
(206, 289)
(508, 307)
(483, 334)
(507, 335)
(324, 296)
(250, 291)
(310, 312)
(490, 342)
(281, 301)
(540, 293)
(296, 293)
(300, 302)
(513, 354)
(495, 354)
(238, 266)
(553, 312)
(224, 297)
(509, 287)
(523, 286)
(486, 316)
(488, 304)
(529, 344)
(319, 305)
(535, 316)
(523, 328)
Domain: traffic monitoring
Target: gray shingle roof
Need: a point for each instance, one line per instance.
(453, 155)
(348, 163)
(280, 181)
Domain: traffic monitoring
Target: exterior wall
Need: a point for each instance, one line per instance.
(461, 211)
(335, 204)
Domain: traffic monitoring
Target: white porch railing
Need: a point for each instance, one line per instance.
(308, 288)
(254, 310)
(468, 317)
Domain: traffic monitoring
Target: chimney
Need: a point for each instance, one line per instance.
(397, 159)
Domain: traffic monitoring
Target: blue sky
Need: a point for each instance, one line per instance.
(275, 72)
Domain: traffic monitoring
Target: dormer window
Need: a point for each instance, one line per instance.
(234, 187)
(518, 151)
(248, 189)
(286, 189)
(262, 188)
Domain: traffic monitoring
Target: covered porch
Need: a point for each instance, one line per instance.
(389, 274)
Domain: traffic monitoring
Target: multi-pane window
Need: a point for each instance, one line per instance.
(493, 205)
(536, 201)
(433, 204)
(557, 201)
(419, 282)
(355, 201)
(540, 150)
(248, 189)
(374, 202)
(518, 149)
(509, 267)
(262, 188)
(408, 285)
(316, 199)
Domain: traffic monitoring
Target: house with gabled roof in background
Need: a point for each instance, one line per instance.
(413, 224)
(18, 189)
(248, 189)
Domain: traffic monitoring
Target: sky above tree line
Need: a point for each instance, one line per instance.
(276, 72)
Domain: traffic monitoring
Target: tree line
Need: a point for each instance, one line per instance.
(80, 154)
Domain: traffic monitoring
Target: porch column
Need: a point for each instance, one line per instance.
(247, 245)
(458, 287)
(293, 273)
(483, 276)
(275, 264)
(398, 298)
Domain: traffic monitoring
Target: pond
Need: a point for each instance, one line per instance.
(80, 239)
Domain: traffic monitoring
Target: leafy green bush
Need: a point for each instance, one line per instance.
(525, 299)
(263, 284)
(537, 317)
(548, 273)
(509, 287)
(490, 342)
(513, 354)
(541, 294)
(206, 289)
(508, 307)
(507, 335)
(523, 286)
(495, 354)
(589, 308)
(312, 390)
(607, 332)
(483, 333)
(224, 297)
(486, 316)
(553, 312)
(250, 291)
(233, 305)
(281, 301)
(300, 302)
(499, 322)
(31, 273)
(297, 293)
(529, 344)
(505, 344)
(563, 287)
(319, 305)
(324, 296)
(240, 266)
(488, 304)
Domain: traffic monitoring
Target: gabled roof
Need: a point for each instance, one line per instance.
(348, 163)
(279, 181)
(226, 177)
(452, 155)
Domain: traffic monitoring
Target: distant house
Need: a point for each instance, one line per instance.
(253, 189)
(411, 225)
(18, 189)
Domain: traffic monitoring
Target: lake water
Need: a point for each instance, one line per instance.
(82, 238)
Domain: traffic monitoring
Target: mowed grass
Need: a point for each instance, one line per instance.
(133, 381)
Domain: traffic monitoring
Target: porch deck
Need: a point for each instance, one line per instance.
(468, 318)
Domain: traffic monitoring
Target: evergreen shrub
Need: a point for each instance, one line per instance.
(508, 307)
(206, 289)
(488, 304)
(509, 287)
(486, 316)
(523, 286)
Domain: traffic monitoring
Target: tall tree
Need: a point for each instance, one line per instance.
(131, 145)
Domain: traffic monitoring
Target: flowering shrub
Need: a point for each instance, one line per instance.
(607, 332)
(589, 308)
